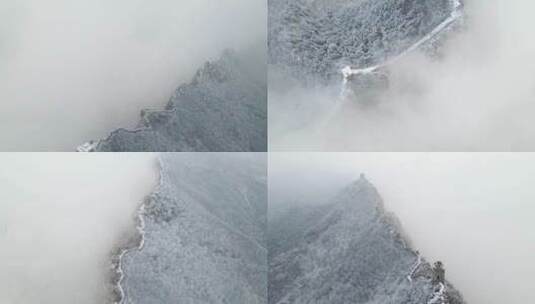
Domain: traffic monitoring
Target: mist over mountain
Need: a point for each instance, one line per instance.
(74, 70)
(61, 215)
(349, 250)
(202, 233)
(401, 75)
(224, 108)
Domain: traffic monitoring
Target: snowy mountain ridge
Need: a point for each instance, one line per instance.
(223, 108)
(354, 253)
(201, 234)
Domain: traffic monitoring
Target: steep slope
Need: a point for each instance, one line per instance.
(203, 233)
(224, 108)
(354, 253)
(319, 38)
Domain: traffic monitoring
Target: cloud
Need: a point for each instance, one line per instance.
(61, 215)
(75, 70)
(473, 211)
(477, 97)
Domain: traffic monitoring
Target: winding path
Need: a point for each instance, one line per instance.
(415, 267)
(454, 16)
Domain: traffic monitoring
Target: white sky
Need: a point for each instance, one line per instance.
(60, 216)
(472, 211)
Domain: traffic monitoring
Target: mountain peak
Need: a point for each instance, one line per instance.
(362, 184)
(352, 250)
(223, 108)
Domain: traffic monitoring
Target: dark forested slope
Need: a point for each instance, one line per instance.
(317, 38)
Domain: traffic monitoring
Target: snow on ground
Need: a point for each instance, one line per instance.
(454, 16)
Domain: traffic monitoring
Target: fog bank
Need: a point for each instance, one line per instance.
(473, 211)
(71, 71)
(477, 97)
(61, 215)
